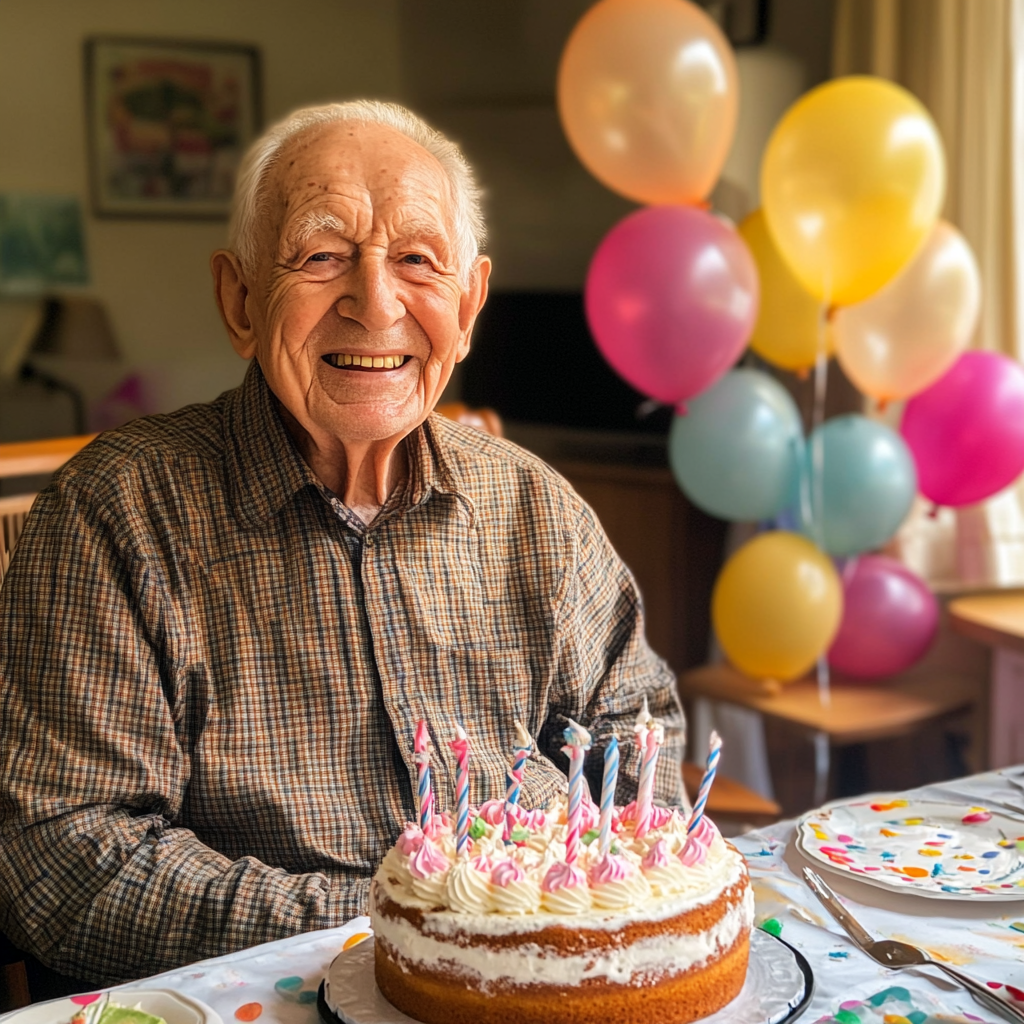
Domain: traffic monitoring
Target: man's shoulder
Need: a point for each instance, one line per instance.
(494, 467)
(150, 444)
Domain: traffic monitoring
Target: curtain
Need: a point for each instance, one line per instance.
(964, 59)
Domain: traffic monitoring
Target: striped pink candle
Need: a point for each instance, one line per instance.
(650, 735)
(424, 792)
(461, 747)
(577, 743)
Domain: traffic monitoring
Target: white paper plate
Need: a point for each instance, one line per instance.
(174, 1007)
(942, 850)
(778, 988)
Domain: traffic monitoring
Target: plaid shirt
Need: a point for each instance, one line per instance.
(211, 673)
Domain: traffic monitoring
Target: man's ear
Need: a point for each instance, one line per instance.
(473, 299)
(231, 291)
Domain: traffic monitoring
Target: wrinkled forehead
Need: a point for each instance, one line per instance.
(376, 169)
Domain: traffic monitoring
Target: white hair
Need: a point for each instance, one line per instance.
(251, 200)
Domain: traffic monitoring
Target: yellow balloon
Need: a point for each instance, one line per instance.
(789, 330)
(648, 96)
(852, 182)
(776, 606)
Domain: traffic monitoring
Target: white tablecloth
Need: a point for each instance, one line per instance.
(279, 980)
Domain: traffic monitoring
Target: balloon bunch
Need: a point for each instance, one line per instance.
(846, 257)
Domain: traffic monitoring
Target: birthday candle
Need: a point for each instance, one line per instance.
(514, 779)
(577, 741)
(461, 747)
(424, 792)
(650, 734)
(611, 775)
(714, 751)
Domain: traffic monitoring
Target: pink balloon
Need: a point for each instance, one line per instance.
(966, 431)
(890, 618)
(671, 298)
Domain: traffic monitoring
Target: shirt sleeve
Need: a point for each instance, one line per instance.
(606, 668)
(95, 878)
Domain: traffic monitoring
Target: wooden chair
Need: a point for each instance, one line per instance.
(486, 420)
(28, 459)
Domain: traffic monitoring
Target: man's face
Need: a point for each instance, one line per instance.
(358, 313)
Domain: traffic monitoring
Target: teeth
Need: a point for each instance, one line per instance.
(370, 362)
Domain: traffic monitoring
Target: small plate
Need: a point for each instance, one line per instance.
(778, 988)
(945, 851)
(174, 1007)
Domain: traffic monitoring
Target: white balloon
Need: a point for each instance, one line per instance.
(908, 334)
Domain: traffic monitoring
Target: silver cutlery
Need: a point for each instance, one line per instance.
(898, 955)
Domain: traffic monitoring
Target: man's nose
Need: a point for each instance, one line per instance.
(371, 296)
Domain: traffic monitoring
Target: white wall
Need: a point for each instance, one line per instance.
(153, 275)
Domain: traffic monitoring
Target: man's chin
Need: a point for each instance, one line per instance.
(359, 423)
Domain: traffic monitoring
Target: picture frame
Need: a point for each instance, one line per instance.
(167, 124)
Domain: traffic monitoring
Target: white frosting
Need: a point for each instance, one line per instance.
(472, 904)
(469, 889)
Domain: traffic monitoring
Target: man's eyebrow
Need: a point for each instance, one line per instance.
(310, 224)
(426, 229)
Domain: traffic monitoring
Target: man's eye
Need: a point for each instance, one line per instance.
(415, 258)
(319, 257)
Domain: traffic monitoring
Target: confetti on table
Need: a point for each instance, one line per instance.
(249, 1011)
(1018, 926)
(93, 996)
(772, 925)
(354, 940)
(289, 984)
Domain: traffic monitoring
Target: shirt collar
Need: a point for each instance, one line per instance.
(267, 469)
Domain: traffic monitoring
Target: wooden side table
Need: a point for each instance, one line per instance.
(853, 714)
(997, 620)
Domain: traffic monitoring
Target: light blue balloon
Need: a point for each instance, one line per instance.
(865, 487)
(737, 451)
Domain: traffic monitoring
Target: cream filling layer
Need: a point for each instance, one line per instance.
(532, 964)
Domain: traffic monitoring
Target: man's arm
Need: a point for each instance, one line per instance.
(95, 879)
(606, 668)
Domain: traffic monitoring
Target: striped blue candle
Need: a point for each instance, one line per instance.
(714, 752)
(514, 779)
(611, 776)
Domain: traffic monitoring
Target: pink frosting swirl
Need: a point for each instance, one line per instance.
(657, 855)
(532, 820)
(659, 815)
(482, 864)
(590, 813)
(506, 872)
(410, 840)
(611, 868)
(493, 812)
(427, 860)
(698, 842)
(562, 876)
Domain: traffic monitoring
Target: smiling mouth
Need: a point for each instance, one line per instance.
(345, 361)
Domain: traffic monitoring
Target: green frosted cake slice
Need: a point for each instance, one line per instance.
(114, 1014)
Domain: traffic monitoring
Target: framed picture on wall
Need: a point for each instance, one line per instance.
(168, 122)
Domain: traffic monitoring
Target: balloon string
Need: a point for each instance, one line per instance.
(825, 313)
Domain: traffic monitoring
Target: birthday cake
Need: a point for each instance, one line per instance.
(563, 915)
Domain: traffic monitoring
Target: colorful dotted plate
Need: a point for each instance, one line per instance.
(947, 851)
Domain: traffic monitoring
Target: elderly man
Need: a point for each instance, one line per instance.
(221, 626)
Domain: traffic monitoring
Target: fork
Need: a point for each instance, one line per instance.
(898, 955)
